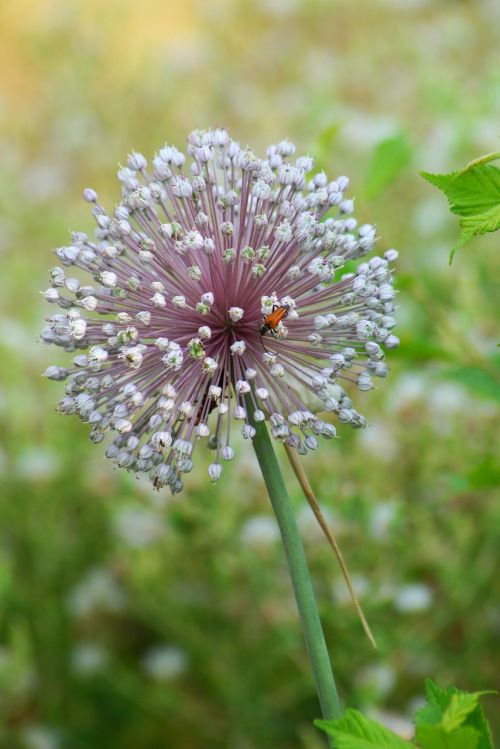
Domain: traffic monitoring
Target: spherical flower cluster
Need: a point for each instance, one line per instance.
(218, 299)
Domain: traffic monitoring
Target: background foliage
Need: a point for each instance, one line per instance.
(130, 621)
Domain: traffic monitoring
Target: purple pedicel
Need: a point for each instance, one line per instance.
(185, 273)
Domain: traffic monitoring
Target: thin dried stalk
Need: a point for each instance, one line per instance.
(313, 502)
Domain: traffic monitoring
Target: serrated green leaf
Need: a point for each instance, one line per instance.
(478, 722)
(390, 158)
(435, 737)
(481, 725)
(462, 711)
(474, 194)
(460, 707)
(437, 700)
(355, 731)
(470, 192)
(482, 223)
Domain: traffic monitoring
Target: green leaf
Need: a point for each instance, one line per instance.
(474, 194)
(479, 722)
(355, 731)
(481, 223)
(437, 700)
(461, 705)
(471, 191)
(453, 714)
(390, 158)
(435, 737)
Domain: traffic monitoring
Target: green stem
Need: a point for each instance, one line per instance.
(299, 573)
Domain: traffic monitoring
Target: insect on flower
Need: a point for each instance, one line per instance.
(272, 320)
(181, 282)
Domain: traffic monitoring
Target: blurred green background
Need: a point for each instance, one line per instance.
(131, 621)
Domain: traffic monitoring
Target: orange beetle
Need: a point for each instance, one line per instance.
(273, 319)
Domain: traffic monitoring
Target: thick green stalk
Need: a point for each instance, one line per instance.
(299, 573)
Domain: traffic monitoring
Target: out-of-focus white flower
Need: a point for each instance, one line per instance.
(37, 464)
(137, 526)
(165, 662)
(378, 439)
(408, 389)
(448, 398)
(380, 677)
(88, 658)
(413, 597)
(98, 591)
(260, 530)
(41, 737)
(381, 517)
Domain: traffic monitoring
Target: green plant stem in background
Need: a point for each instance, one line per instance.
(299, 573)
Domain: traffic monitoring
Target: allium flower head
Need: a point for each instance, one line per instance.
(176, 333)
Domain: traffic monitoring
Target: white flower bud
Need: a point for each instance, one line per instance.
(186, 408)
(242, 387)
(204, 332)
(386, 292)
(89, 303)
(365, 382)
(89, 195)
(311, 442)
(108, 278)
(183, 447)
(158, 300)
(194, 240)
(144, 317)
(209, 365)
(173, 360)
(55, 373)
(202, 430)
(96, 356)
(238, 348)
(214, 471)
(123, 426)
(391, 341)
(235, 313)
(77, 328)
(207, 298)
(214, 392)
(133, 356)
(136, 161)
(50, 295)
(181, 187)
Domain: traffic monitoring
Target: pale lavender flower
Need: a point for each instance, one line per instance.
(184, 274)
